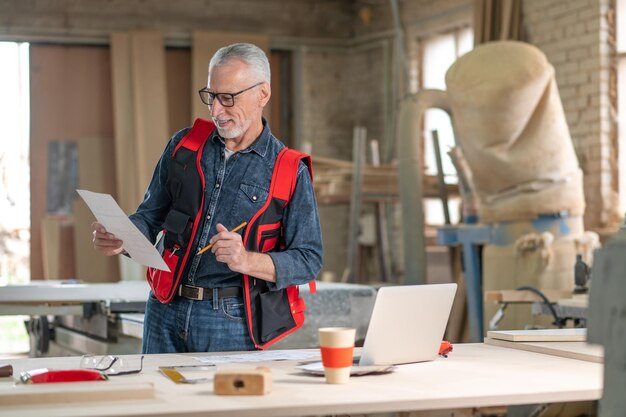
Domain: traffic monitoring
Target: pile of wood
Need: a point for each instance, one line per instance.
(333, 182)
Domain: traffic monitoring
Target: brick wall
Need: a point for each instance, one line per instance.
(91, 18)
(341, 89)
(577, 38)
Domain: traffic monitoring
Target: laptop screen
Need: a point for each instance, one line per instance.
(407, 324)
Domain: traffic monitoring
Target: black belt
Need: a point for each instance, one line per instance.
(201, 293)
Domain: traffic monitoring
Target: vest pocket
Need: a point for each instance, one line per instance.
(269, 240)
(161, 282)
(178, 227)
(276, 315)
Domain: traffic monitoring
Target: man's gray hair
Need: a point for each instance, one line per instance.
(246, 52)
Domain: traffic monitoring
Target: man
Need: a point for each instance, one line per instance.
(237, 163)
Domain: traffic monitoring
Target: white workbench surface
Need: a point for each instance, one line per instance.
(68, 292)
(473, 375)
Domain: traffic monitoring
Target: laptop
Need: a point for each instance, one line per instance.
(407, 324)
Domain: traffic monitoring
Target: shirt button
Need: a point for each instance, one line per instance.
(253, 198)
(208, 217)
(217, 185)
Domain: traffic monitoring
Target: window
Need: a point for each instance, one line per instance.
(437, 54)
(14, 183)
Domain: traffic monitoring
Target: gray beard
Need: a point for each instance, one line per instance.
(235, 131)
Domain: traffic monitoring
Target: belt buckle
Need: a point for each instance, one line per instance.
(200, 295)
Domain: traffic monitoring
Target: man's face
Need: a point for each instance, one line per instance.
(233, 77)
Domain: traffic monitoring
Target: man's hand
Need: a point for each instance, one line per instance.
(104, 242)
(228, 248)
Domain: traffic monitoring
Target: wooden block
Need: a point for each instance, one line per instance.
(578, 300)
(5, 371)
(243, 381)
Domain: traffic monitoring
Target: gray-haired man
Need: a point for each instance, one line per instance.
(236, 163)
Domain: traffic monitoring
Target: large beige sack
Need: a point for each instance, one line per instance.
(509, 122)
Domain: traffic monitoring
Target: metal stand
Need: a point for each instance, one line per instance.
(470, 238)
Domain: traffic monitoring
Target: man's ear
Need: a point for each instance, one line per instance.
(265, 92)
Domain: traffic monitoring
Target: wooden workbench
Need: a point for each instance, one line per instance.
(474, 375)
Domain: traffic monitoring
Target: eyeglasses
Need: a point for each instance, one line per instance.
(113, 365)
(98, 363)
(225, 99)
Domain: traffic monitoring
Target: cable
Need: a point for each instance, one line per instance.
(557, 320)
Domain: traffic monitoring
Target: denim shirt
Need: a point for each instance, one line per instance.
(235, 189)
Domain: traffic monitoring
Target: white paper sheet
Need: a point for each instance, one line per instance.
(267, 355)
(113, 218)
(316, 368)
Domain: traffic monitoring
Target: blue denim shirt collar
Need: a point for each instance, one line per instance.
(259, 146)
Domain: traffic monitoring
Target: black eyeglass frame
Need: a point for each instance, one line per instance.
(129, 372)
(113, 360)
(220, 96)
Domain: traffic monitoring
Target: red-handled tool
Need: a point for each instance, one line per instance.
(45, 376)
(6, 370)
(445, 348)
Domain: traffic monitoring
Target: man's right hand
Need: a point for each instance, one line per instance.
(104, 242)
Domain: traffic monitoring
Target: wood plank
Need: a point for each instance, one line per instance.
(178, 71)
(515, 296)
(58, 247)
(572, 350)
(74, 392)
(140, 106)
(76, 106)
(94, 162)
(204, 45)
(149, 84)
(127, 190)
(578, 300)
(540, 335)
(141, 118)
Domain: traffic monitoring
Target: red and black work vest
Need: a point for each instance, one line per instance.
(271, 315)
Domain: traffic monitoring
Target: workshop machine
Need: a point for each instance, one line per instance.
(69, 318)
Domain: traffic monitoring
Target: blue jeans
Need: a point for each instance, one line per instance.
(195, 326)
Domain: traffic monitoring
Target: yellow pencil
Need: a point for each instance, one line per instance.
(206, 248)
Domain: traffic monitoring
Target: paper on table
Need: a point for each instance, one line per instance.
(316, 368)
(113, 218)
(267, 355)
